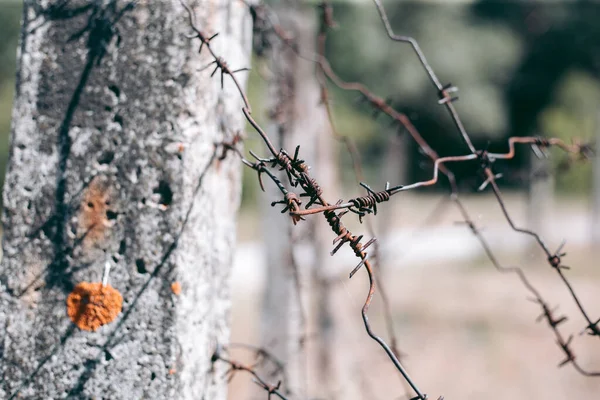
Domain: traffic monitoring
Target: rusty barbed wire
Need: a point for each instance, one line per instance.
(362, 206)
(445, 92)
(236, 366)
(486, 159)
(368, 203)
(298, 176)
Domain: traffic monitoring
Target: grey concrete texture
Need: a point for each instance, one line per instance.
(113, 157)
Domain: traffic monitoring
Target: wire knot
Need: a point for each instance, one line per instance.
(555, 259)
(569, 355)
(292, 203)
(445, 94)
(485, 161)
(593, 329)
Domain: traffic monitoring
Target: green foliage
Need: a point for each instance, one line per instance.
(573, 115)
(511, 61)
(10, 17)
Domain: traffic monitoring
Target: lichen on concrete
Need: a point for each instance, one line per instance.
(91, 305)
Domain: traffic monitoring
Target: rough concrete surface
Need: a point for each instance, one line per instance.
(112, 158)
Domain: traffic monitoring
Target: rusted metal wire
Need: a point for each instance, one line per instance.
(273, 390)
(369, 203)
(486, 159)
(445, 92)
(538, 144)
(298, 176)
(326, 23)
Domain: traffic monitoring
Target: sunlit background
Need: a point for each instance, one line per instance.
(468, 332)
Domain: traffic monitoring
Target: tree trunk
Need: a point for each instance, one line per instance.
(113, 158)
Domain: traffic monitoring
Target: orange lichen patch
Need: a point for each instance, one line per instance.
(172, 371)
(176, 288)
(91, 305)
(96, 214)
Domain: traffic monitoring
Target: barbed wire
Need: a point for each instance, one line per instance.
(273, 390)
(297, 172)
(486, 159)
(367, 204)
(298, 175)
(539, 144)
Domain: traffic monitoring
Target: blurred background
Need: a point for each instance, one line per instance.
(467, 332)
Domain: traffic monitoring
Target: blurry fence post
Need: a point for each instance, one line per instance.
(115, 160)
(283, 317)
(297, 291)
(327, 168)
